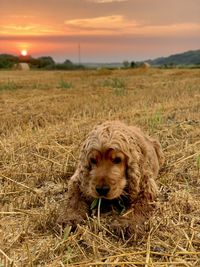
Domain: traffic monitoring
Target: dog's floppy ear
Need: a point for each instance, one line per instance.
(149, 187)
(140, 180)
(159, 153)
(133, 177)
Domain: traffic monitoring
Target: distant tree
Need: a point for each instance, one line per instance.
(172, 65)
(126, 64)
(7, 61)
(34, 62)
(62, 66)
(68, 65)
(45, 62)
(68, 62)
(133, 64)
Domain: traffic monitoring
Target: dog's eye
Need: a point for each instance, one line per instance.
(117, 160)
(93, 161)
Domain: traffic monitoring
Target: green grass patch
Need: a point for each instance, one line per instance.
(64, 85)
(9, 86)
(118, 85)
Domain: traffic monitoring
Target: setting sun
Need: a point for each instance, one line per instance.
(24, 52)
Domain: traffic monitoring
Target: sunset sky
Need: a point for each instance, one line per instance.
(107, 30)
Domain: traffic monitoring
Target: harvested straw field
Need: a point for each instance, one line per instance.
(44, 116)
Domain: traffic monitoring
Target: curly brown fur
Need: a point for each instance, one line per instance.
(115, 160)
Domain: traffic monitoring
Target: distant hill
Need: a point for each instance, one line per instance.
(189, 58)
(186, 58)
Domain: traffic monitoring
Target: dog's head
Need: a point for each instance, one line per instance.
(107, 173)
(117, 160)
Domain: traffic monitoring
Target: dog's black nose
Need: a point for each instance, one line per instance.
(102, 190)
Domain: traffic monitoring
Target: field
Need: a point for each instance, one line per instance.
(44, 116)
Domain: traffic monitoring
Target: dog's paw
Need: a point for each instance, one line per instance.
(127, 227)
(72, 220)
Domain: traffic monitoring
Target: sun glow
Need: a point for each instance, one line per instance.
(24, 52)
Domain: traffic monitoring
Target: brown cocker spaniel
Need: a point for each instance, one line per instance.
(116, 162)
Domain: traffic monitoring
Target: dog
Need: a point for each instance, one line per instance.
(116, 162)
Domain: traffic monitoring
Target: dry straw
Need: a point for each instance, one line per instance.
(41, 129)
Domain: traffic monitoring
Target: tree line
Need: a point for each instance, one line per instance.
(8, 61)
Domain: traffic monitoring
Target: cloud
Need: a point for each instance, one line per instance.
(21, 16)
(28, 29)
(104, 24)
(120, 25)
(113, 25)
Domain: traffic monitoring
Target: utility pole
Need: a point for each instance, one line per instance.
(79, 54)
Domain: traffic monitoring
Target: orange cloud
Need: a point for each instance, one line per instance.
(118, 24)
(101, 25)
(113, 25)
(28, 29)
